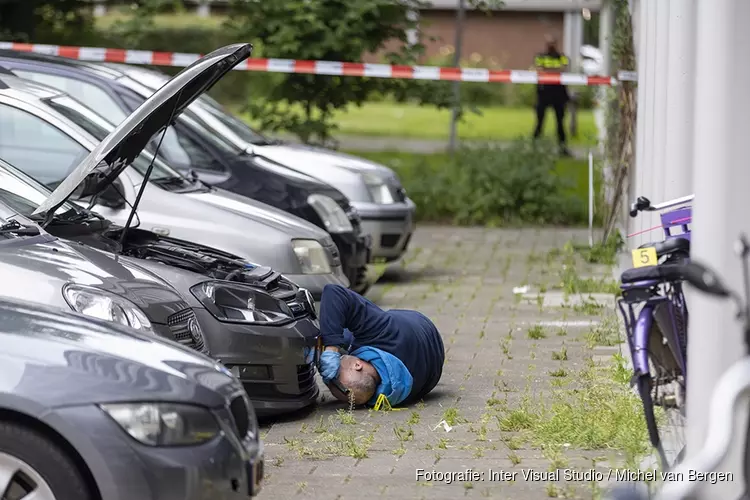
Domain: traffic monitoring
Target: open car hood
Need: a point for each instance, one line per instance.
(118, 150)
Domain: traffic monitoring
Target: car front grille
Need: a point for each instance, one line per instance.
(186, 330)
(355, 219)
(241, 415)
(306, 377)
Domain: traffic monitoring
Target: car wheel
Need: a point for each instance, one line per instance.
(32, 466)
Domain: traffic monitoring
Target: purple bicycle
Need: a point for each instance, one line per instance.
(655, 315)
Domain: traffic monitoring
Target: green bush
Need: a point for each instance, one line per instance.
(493, 185)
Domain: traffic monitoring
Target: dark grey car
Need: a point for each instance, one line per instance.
(91, 410)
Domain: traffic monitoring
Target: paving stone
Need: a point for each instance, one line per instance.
(463, 278)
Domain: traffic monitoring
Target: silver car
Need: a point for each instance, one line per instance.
(90, 410)
(373, 189)
(40, 137)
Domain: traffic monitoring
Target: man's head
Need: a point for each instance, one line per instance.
(550, 42)
(360, 377)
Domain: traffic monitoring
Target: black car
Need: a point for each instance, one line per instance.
(187, 146)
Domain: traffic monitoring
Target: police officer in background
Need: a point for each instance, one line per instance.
(552, 96)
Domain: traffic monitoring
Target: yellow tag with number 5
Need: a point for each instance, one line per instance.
(643, 257)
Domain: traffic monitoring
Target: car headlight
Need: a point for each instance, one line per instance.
(333, 216)
(105, 305)
(164, 424)
(312, 257)
(238, 303)
(379, 189)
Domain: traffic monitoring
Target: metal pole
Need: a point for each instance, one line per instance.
(720, 178)
(591, 199)
(457, 84)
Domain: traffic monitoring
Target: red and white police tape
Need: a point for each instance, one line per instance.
(180, 59)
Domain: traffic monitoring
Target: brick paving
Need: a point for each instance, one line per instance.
(464, 279)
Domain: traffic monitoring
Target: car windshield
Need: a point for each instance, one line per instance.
(99, 128)
(143, 91)
(217, 118)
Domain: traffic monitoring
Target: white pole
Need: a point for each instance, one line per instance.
(680, 99)
(659, 110)
(720, 178)
(591, 199)
(644, 126)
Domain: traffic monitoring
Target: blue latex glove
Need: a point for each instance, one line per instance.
(330, 362)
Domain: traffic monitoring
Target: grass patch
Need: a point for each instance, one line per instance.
(561, 355)
(559, 373)
(606, 333)
(410, 169)
(181, 20)
(536, 332)
(390, 119)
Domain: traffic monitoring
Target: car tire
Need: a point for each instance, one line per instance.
(46, 459)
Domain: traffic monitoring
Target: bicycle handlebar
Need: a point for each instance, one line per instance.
(643, 204)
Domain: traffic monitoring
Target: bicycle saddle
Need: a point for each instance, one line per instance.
(669, 246)
(663, 272)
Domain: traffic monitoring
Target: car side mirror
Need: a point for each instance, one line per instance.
(112, 196)
(704, 279)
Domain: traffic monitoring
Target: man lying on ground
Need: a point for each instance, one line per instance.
(396, 353)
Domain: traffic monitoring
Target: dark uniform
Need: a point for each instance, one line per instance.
(348, 318)
(551, 96)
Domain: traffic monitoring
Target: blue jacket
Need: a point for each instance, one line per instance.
(408, 335)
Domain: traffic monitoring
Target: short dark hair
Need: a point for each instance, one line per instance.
(363, 387)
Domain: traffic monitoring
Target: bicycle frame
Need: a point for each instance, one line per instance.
(639, 328)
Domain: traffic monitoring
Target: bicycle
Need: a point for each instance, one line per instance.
(732, 391)
(655, 314)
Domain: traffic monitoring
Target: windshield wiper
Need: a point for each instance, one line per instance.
(170, 181)
(15, 227)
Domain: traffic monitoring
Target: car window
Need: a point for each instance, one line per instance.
(91, 95)
(200, 159)
(22, 194)
(99, 128)
(36, 147)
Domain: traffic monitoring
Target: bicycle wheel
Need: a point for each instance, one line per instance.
(664, 388)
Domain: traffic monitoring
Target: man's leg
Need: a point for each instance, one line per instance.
(342, 309)
(560, 117)
(541, 110)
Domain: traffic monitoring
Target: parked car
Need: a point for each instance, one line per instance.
(188, 148)
(93, 410)
(266, 354)
(258, 323)
(373, 189)
(45, 133)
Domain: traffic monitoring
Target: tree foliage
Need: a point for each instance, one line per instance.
(332, 30)
(23, 20)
